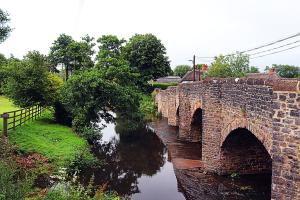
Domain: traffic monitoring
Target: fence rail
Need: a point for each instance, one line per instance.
(16, 118)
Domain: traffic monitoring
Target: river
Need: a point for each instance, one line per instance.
(139, 167)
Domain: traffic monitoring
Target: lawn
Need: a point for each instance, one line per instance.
(56, 142)
(5, 106)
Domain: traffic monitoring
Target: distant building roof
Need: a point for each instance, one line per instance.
(169, 79)
(189, 76)
(262, 75)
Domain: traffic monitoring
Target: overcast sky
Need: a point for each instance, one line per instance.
(186, 27)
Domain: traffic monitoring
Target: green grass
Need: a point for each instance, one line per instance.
(5, 106)
(56, 142)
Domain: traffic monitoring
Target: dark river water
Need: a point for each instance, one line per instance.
(138, 167)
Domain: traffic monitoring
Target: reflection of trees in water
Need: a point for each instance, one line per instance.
(127, 159)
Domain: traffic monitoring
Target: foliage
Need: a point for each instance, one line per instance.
(122, 75)
(75, 191)
(148, 108)
(3, 62)
(234, 65)
(199, 66)
(90, 97)
(162, 86)
(56, 142)
(110, 52)
(287, 71)
(73, 55)
(15, 184)
(112, 64)
(83, 159)
(61, 115)
(147, 54)
(4, 27)
(2, 59)
(28, 83)
(37, 59)
(253, 69)
(181, 70)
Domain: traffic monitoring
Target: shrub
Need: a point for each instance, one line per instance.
(14, 183)
(83, 160)
(148, 108)
(162, 86)
(75, 191)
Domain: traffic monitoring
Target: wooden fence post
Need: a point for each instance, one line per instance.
(14, 122)
(5, 116)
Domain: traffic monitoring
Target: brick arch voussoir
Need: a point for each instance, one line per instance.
(196, 105)
(244, 123)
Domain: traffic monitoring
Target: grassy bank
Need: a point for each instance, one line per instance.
(56, 142)
(5, 106)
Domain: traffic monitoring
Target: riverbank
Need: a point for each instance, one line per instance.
(58, 143)
(34, 152)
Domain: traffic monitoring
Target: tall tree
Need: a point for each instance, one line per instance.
(253, 69)
(287, 71)
(36, 58)
(234, 65)
(4, 27)
(71, 54)
(3, 61)
(110, 51)
(147, 54)
(59, 52)
(28, 82)
(81, 53)
(181, 70)
(88, 96)
(112, 64)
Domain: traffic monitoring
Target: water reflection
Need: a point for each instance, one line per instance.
(135, 165)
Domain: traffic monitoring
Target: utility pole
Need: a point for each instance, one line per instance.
(194, 66)
(200, 73)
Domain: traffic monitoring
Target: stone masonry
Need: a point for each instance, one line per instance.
(262, 114)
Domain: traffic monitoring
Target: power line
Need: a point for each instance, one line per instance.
(203, 57)
(271, 43)
(275, 48)
(276, 52)
(265, 45)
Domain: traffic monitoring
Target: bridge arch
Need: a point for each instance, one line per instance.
(196, 123)
(241, 122)
(243, 153)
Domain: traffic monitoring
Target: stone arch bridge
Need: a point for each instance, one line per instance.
(247, 125)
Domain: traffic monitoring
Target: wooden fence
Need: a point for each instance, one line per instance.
(16, 118)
